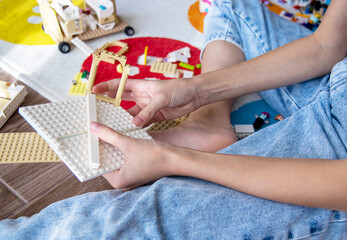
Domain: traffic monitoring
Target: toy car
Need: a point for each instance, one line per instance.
(64, 22)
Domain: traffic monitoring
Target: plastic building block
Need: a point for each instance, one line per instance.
(62, 20)
(243, 130)
(82, 46)
(164, 67)
(183, 51)
(84, 76)
(79, 87)
(167, 124)
(145, 56)
(109, 57)
(134, 71)
(25, 148)
(63, 126)
(259, 121)
(187, 66)
(93, 141)
(119, 68)
(184, 73)
(11, 96)
(279, 117)
(181, 55)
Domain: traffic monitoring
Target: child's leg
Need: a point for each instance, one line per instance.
(235, 31)
(211, 122)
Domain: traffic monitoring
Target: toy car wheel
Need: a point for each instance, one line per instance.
(129, 31)
(64, 47)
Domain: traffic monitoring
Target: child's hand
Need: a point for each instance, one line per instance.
(155, 100)
(144, 160)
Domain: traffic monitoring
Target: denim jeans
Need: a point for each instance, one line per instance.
(188, 208)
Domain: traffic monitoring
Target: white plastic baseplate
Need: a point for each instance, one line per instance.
(63, 126)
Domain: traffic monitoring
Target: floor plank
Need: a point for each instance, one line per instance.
(68, 188)
(30, 187)
(30, 180)
(9, 202)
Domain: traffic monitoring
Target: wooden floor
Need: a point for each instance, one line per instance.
(25, 189)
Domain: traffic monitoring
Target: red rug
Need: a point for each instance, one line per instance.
(157, 47)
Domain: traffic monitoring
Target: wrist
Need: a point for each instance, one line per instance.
(202, 94)
(181, 161)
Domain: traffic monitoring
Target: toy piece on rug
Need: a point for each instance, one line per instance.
(11, 96)
(279, 117)
(79, 84)
(260, 120)
(164, 67)
(25, 148)
(64, 22)
(243, 130)
(169, 69)
(308, 13)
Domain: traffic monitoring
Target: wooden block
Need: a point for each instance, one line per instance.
(68, 188)
(31, 181)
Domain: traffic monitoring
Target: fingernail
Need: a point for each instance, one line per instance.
(138, 121)
(94, 126)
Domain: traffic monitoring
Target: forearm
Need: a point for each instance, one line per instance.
(292, 63)
(308, 182)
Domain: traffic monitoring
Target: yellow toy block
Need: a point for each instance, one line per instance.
(25, 148)
(79, 88)
(163, 67)
(167, 124)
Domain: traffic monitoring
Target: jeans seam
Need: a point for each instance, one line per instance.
(291, 98)
(323, 89)
(252, 30)
(319, 233)
(339, 83)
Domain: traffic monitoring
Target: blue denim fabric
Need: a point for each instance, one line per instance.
(188, 208)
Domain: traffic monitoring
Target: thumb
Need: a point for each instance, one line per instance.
(109, 135)
(148, 113)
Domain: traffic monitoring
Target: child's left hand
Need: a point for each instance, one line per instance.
(144, 160)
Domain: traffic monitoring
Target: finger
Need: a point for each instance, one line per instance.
(148, 113)
(128, 189)
(134, 110)
(110, 136)
(112, 178)
(127, 95)
(103, 87)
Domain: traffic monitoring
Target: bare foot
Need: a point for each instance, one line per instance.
(198, 134)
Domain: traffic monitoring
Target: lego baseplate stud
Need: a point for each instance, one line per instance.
(63, 126)
(25, 148)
